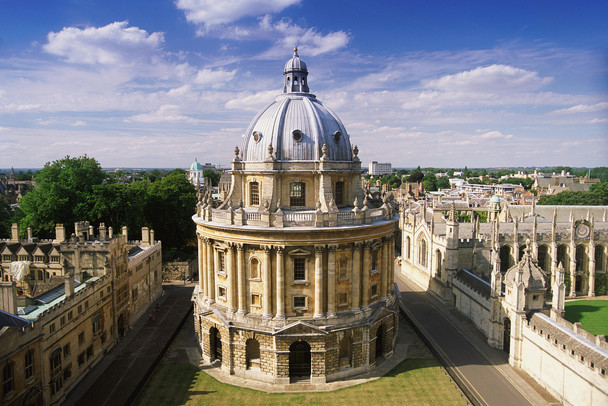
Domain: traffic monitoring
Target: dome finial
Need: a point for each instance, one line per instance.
(295, 50)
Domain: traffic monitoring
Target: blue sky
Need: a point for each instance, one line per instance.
(433, 83)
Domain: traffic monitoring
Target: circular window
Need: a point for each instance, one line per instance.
(297, 135)
(337, 136)
(257, 136)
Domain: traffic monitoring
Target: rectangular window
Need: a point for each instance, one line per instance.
(374, 291)
(52, 328)
(29, 364)
(299, 269)
(97, 326)
(221, 292)
(62, 321)
(81, 338)
(89, 352)
(81, 359)
(339, 193)
(297, 195)
(79, 309)
(254, 193)
(86, 304)
(255, 300)
(70, 315)
(66, 350)
(222, 262)
(299, 302)
(342, 299)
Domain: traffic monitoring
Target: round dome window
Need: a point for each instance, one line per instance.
(297, 135)
(337, 136)
(257, 136)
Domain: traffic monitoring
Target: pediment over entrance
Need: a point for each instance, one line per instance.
(300, 328)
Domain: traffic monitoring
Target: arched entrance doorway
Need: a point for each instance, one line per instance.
(215, 344)
(379, 343)
(505, 258)
(506, 338)
(578, 286)
(299, 361)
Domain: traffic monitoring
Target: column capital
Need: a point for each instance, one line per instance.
(332, 248)
(280, 249)
(357, 245)
(319, 249)
(267, 248)
(239, 246)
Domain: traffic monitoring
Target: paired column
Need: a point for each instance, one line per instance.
(202, 251)
(210, 272)
(240, 271)
(231, 276)
(318, 281)
(267, 282)
(331, 281)
(280, 283)
(384, 269)
(356, 275)
(367, 266)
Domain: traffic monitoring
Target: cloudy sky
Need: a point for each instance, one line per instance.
(155, 83)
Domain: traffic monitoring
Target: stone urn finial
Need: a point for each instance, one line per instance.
(356, 153)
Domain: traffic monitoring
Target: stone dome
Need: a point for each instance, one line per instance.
(296, 125)
(532, 276)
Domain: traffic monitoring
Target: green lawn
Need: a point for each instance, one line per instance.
(593, 315)
(414, 381)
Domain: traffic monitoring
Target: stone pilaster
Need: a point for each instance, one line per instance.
(384, 269)
(280, 282)
(367, 267)
(210, 272)
(231, 276)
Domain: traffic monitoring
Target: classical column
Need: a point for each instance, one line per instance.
(231, 276)
(367, 267)
(280, 283)
(201, 265)
(384, 269)
(331, 280)
(210, 272)
(356, 275)
(318, 281)
(240, 269)
(267, 282)
(391, 262)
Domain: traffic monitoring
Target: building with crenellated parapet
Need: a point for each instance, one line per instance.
(296, 262)
(57, 326)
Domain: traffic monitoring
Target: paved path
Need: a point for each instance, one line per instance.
(483, 371)
(119, 376)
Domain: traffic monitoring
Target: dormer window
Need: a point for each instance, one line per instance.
(257, 136)
(297, 135)
(337, 136)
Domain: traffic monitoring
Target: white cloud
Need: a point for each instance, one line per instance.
(494, 78)
(494, 135)
(113, 44)
(214, 78)
(79, 123)
(583, 108)
(251, 102)
(598, 121)
(210, 13)
(166, 113)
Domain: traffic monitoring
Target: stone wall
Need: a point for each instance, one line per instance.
(472, 305)
(570, 367)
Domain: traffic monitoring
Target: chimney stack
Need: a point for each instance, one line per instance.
(110, 232)
(145, 236)
(152, 237)
(69, 284)
(8, 297)
(91, 233)
(15, 232)
(29, 234)
(124, 233)
(102, 231)
(59, 233)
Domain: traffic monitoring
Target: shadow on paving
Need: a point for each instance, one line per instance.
(120, 375)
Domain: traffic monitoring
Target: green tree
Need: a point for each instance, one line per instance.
(429, 182)
(169, 209)
(117, 205)
(416, 176)
(391, 180)
(443, 182)
(63, 194)
(5, 219)
(213, 176)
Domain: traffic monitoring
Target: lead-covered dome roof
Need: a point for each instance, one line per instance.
(296, 125)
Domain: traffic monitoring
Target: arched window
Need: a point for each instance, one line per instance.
(297, 194)
(254, 268)
(375, 261)
(408, 247)
(422, 252)
(600, 258)
(252, 352)
(544, 258)
(8, 378)
(29, 364)
(506, 260)
(563, 257)
(438, 264)
(254, 193)
(582, 263)
(56, 375)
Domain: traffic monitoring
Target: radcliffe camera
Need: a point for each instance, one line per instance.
(291, 202)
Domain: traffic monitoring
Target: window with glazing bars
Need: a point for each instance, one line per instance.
(254, 193)
(299, 269)
(339, 193)
(297, 194)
